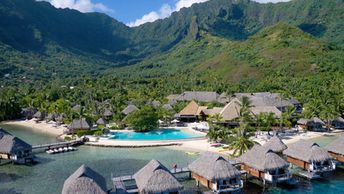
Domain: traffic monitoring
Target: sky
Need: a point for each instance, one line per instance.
(133, 12)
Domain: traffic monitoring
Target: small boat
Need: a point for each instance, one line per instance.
(50, 152)
(192, 153)
(65, 149)
(56, 150)
(60, 149)
(215, 145)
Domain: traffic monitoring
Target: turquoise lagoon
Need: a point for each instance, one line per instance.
(161, 134)
(48, 175)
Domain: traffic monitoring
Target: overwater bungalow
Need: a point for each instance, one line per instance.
(276, 145)
(129, 109)
(216, 173)
(336, 149)
(191, 113)
(85, 181)
(310, 157)
(14, 149)
(338, 123)
(262, 163)
(79, 124)
(156, 178)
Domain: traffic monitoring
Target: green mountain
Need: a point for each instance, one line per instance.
(38, 41)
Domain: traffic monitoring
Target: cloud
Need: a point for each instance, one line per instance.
(80, 5)
(164, 12)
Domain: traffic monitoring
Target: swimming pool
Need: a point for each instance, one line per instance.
(160, 134)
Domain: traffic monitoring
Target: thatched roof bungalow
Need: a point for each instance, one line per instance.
(310, 157)
(129, 109)
(275, 144)
(191, 113)
(336, 149)
(39, 116)
(338, 123)
(156, 178)
(101, 121)
(13, 148)
(108, 113)
(85, 181)
(216, 173)
(315, 124)
(263, 163)
(79, 124)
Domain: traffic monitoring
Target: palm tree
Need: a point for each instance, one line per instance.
(215, 118)
(288, 116)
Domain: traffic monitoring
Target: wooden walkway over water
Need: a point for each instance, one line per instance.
(59, 144)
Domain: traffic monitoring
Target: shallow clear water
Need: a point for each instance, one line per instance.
(48, 175)
(163, 134)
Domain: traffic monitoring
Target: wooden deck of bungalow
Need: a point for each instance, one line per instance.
(119, 182)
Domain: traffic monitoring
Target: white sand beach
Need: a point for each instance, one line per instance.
(41, 127)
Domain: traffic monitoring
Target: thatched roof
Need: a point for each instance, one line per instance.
(200, 96)
(11, 144)
(155, 103)
(302, 121)
(80, 124)
(256, 110)
(307, 151)
(339, 120)
(39, 115)
(156, 178)
(84, 181)
(167, 107)
(213, 167)
(275, 144)
(268, 99)
(337, 146)
(192, 109)
(101, 121)
(316, 120)
(262, 159)
(213, 111)
(129, 109)
(108, 113)
(231, 110)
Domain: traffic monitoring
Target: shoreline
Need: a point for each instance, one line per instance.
(192, 145)
(42, 127)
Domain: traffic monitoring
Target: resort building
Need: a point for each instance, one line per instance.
(216, 173)
(276, 145)
(200, 96)
(156, 178)
(129, 109)
(101, 121)
(310, 157)
(232, 110)
(14, 149)
(107, 114)
(314, 124)
(191, 113)
(78, 124)
(267, 99)
(336, 149)
(264, 164)
(85, 181)
(338, 123)
(39, 116)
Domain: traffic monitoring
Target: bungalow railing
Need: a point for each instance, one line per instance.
(277, 178)
(234, 186)
(322, 168)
